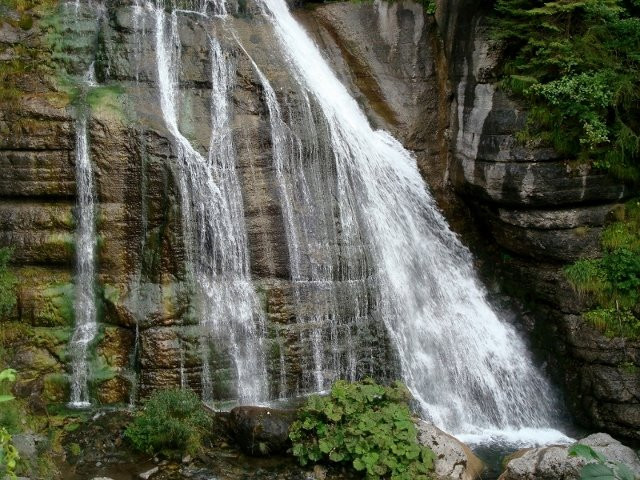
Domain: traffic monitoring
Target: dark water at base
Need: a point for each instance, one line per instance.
(493, 456)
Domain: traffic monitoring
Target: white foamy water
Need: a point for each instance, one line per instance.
(516, 437)
(468, 368)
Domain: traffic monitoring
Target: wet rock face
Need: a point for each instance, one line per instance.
(389, 56)
(435, 93)
(149, 329)
(542, 212)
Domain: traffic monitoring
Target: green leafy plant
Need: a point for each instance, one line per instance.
(366, 426)
(172, 422)
(600, 468)
(429, 6)
(576, 64)
(613, 281)
(8, 454)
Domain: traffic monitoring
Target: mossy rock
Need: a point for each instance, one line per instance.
(56, 340)
(55, 388)
(46, 297)
(56, 307)
(113, 390)
(115, 346)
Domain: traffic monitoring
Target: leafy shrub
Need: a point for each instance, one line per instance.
(365, 425)
(172, 422)
(601, 469)
(8, 454)
(429, 6)
(577, 64)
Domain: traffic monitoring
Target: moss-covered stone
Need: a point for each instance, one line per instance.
(57, 307)
(113, 390)
(115, 346)
(55, 388)
(106, 100)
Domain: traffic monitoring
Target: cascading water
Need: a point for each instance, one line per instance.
(85, 298)
(85, 312)
(468, 369)
(213, 221)
(318, 266)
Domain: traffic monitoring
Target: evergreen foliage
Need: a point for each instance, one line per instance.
(613, 281)
(577, 63)
(366, 426)
(172, 422)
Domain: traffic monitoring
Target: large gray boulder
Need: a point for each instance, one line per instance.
(454, 459)
(554, 462)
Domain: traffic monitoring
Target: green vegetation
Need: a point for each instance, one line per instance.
(8, 454)
(577, 63)
(366, 426)
(172, 422)
(613, 281)
(601, 469)
(7, 284)
(429, 6)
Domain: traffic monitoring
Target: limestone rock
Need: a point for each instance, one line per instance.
(454, 459)
(27, 445)
(554, 462)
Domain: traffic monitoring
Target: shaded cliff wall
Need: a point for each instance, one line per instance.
(541, 212)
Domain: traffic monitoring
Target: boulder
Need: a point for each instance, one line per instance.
(261, 431)
(554, 462)
(26, 444)
(454, 459)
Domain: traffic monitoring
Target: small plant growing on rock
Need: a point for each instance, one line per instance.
(171, 423)
(366, 426)
(8, 454)
(601, 469)
(613, 281)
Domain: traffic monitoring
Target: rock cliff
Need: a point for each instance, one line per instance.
(430, 81)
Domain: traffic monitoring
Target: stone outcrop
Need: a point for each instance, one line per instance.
(538, 212)
(261, 431)
(555, 463)
(454, 460)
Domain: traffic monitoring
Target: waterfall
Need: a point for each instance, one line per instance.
(468, 369)
(86, 325)
(213, 222)
(85, 312)
(319, 266)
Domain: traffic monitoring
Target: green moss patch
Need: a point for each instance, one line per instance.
(613, 281)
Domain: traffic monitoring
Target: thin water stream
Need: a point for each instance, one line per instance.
(213, 221)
